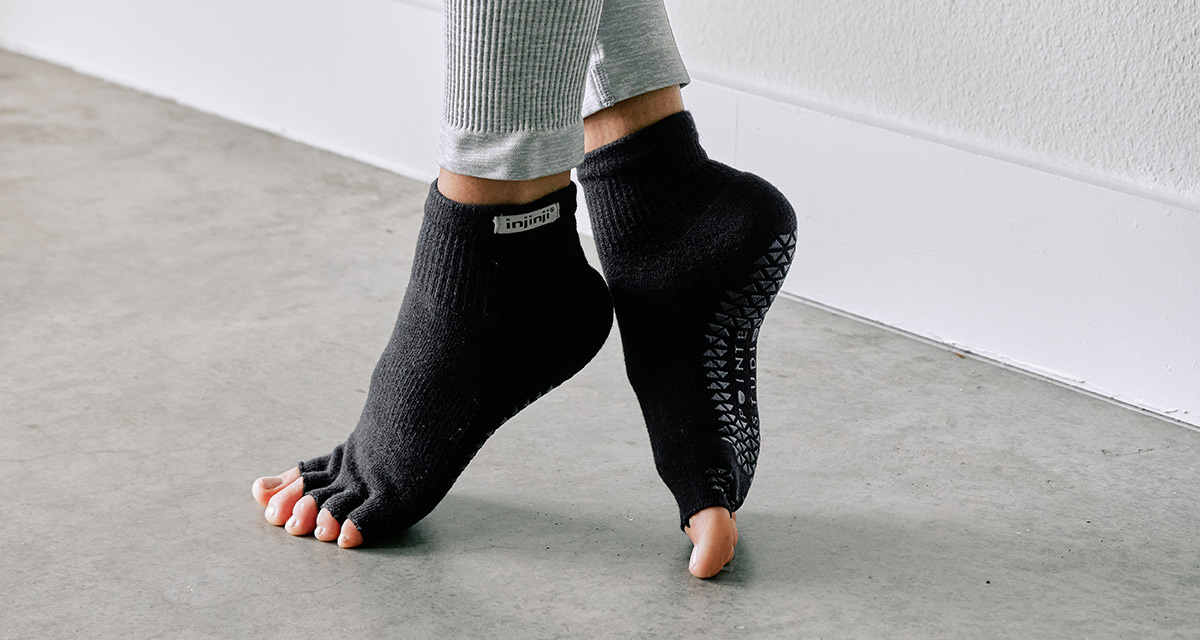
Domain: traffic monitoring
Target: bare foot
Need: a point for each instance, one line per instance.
(714, 532)
(287, 506)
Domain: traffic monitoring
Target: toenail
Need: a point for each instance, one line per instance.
(692, 562)
(271, 511)
(291, 523)
(270, 482)
(319, 532)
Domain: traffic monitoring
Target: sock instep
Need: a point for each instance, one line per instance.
(501, 307)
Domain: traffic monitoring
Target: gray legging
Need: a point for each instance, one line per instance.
(522, 74)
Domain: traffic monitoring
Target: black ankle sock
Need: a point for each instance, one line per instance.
(501, 307)
(694, 252)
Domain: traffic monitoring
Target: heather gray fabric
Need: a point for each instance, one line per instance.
(521, 75)
(634, 53)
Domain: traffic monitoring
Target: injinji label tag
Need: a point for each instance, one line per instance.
(526, 221)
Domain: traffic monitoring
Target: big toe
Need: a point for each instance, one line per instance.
(266, 487)
(714, 533)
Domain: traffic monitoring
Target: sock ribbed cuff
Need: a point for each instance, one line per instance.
(462, 252)
(672, 140)
(635, 169)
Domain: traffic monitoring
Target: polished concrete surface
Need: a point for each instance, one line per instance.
(187, 304)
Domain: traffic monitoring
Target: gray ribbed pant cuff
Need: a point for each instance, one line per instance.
(634, 53)
(522, 74)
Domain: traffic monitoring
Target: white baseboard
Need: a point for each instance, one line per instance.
(1089, 286)
(1084, 284)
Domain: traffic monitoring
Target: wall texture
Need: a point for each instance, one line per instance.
(1104, 88)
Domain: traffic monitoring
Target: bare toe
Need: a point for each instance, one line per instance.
(304, 517)
(279, 507)
(350, 536)
(266, 487)
(714, 533)
(327, 527)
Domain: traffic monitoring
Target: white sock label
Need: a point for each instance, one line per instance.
(526, 221)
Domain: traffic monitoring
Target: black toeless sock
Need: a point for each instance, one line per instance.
(693, 252)
(501, 307)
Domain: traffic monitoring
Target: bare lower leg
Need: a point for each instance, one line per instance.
(623, 118)
(471, 190)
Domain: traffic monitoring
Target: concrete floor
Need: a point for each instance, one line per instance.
(188, 304)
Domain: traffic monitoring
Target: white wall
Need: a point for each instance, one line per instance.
(359, 77)
(959, 174)
(1105, 88)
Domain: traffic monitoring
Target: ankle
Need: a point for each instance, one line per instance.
(671, 145)
(465, 189)
(627, 116)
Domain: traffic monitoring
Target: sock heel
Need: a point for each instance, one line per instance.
(695, 253)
